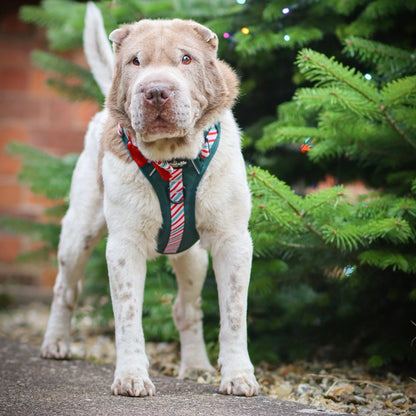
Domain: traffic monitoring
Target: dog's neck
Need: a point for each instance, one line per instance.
(136, 152)
(179, 148)
(185, 147)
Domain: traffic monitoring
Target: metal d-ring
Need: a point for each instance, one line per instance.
(182, 199)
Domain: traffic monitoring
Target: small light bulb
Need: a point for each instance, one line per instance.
(349, 270)
(226, 35)
(368, 77)
(245, 30)
(286, 38)
(286, 10)
(241, 1)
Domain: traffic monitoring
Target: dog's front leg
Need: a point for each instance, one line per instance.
(190, 268)
(232, 265)
(127, 270)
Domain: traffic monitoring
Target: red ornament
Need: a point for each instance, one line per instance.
(305, 147)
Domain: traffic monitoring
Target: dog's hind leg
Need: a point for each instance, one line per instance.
(190, 268)
(82, 228)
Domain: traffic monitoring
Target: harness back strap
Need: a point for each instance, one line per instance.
(175, 183)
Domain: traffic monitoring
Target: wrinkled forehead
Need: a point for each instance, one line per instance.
(163, 38)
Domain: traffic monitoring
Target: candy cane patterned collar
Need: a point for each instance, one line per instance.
(176, 187)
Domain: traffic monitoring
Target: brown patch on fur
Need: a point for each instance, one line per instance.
(234, 316)
(121, 262)
(235, 288)
(130, 313)
(87, 242)
(125, 296)
(234, 310)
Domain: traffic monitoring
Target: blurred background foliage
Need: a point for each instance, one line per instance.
(327, 88)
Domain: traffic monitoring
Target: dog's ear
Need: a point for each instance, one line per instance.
(117, 36)
(207, 34)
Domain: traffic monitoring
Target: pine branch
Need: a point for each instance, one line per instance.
(384, 259)
(394, 230)
(323, 70)
(46, 232)
(63, 19)
(390, 61)
(274, 134)
(345, 7)
(413, 187)
(400, 91)
(76, 82)
(376, 11)
(319, 97)
(346, 238)
(50, 62)
(324, 198)
(378, 8)
(393, 123)
(45, 174)
(266, 180)
(317, 67)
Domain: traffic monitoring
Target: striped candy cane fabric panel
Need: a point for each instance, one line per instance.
(209, 141)
(177, 212)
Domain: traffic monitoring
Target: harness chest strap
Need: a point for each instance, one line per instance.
(175, 184)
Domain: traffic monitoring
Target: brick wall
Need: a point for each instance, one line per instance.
(30, 112)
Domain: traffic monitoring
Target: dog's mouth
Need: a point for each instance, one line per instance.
(159, 124)
(161, 128)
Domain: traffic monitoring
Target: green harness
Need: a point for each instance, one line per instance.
(175, 183)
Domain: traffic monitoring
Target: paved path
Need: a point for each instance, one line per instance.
(30, 385)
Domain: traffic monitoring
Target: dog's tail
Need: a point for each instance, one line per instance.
(97, 48)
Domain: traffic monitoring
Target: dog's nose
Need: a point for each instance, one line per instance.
(157, 95)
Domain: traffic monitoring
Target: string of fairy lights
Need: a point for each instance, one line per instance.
(245, 30)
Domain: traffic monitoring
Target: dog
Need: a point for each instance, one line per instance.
(168, 110)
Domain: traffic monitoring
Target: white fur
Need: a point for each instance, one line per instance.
(97, 48)
(130, 209)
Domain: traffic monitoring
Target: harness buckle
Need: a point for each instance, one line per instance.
(178, 163)
(181, 200)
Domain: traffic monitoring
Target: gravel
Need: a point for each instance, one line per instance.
(328, 386)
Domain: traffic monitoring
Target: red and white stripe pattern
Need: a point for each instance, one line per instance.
(209, 140)
(177, 211)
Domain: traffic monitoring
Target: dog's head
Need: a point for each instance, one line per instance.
(168, 85)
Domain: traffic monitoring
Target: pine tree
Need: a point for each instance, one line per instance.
(323, 261)
(369, 120)
(372, 122)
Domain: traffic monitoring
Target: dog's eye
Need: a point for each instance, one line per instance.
(186, 59)
(136, 61)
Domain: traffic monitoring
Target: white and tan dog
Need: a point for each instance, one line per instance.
(167, 88)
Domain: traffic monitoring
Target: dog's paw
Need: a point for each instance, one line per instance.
(240, 385)
(56, 349)
(133, 385)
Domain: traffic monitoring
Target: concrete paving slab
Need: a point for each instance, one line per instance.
(30, 385)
